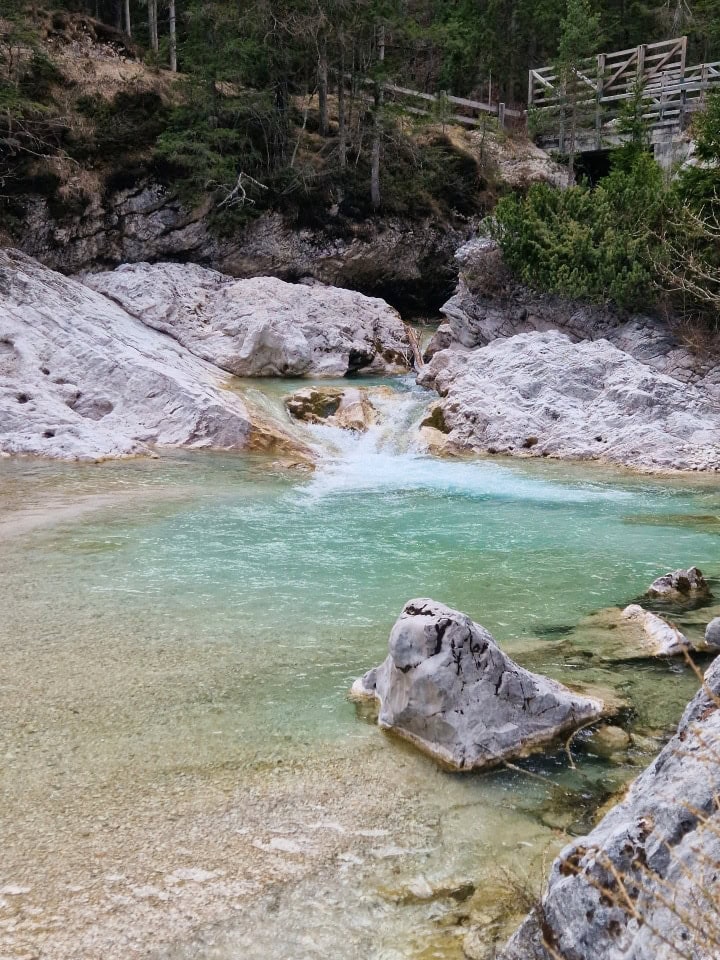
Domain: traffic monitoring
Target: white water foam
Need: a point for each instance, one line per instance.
(385, 459)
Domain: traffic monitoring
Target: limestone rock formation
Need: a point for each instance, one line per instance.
(81, 379)
(262, 326)
(519, 162)
(408, 260)
(540, 394)
(448, 688)
(645, 883)
(351, 408)
(680, 585)
(489, 304)
(662, 639)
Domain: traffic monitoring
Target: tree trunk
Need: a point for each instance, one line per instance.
(377, 129)
(117, 9)
(126, 18)
(173, 38)
(153, 25)
(323, 87)
(342, 122)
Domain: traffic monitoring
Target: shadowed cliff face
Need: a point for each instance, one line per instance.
(408, 263)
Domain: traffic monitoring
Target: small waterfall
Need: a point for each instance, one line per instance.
(387, 459)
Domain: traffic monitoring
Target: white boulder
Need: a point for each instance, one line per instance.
(680, 585)
(540, 394)
(262, 326)
(81, 379)
(660, 638)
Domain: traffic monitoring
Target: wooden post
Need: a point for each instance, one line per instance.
(683, 57)
(530, 88)
(501, 115)
(640, 62)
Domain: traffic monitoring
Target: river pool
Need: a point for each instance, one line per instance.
(182, 773)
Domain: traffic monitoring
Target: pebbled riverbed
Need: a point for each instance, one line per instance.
(181, 773)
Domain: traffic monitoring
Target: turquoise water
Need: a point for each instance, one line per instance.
(204, 619)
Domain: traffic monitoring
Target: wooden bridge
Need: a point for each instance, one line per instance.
(657, 72)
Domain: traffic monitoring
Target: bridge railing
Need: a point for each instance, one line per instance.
(427, 104)
(670, 89)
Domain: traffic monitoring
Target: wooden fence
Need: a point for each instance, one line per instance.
(449, 108)
(670, 90)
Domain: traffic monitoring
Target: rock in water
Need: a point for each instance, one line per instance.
(448, 688)
(662, 639)
(351, 408)
(680, 585)
(262, 326)
(645, 884)
(540, 394)
(712, 634)
(81, 379)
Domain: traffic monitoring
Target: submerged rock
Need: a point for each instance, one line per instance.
(680, 585)
(660, 638)
(645, 883)
(448, 688)
(351, 408)
(81, 379)
(608, 741)
(262, 326)
(540, 394)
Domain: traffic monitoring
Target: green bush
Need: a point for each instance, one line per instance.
(596, 244)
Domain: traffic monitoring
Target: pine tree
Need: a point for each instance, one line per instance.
(579, 39)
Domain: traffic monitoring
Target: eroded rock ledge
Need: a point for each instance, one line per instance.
(526, 374)
(263, 326)
(541, 394)
(82, 379)
(448, 688)
(645, 883)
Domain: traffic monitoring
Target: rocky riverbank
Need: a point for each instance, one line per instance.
(83, 378)
(644, 883)
(407, 262)
(526, 375)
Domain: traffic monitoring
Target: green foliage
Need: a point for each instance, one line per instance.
(700, 185)
(579, 37)
(202, 153)
(634, 129)
(595, 244)
(131, 121)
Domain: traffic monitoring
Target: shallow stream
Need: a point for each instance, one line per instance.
(182, 774)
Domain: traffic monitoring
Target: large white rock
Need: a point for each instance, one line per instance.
(645, 883)
(81, 379)
(540, 394)
(263, 326)
(448, 688)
